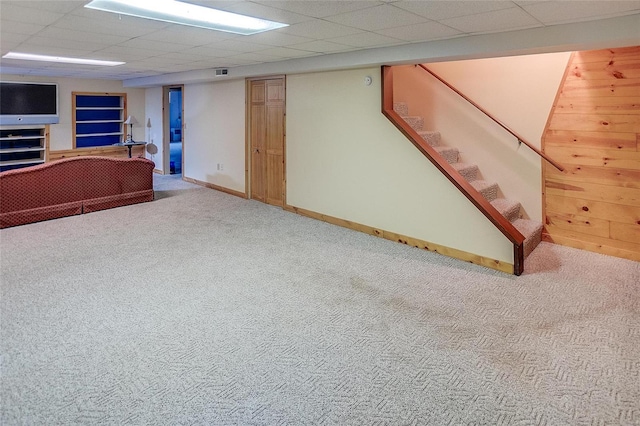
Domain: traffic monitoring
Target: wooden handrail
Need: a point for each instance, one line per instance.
(500, 123)
(481, 203)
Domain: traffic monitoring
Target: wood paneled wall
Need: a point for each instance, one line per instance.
(594, 131)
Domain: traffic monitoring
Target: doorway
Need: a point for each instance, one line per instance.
(267, 140)
(173, 129)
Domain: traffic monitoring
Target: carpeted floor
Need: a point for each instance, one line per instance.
(204, 308)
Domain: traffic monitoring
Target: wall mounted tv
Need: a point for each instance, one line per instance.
(28, 103)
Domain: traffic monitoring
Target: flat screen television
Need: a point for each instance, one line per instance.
(24, 102)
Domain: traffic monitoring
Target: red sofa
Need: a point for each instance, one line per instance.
(73, 186)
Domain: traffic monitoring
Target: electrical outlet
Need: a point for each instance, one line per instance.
(221, 167)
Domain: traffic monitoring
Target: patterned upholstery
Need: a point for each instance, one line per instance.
(73, 186)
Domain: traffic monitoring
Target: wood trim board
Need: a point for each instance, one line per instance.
(216, 187)
(403, 239)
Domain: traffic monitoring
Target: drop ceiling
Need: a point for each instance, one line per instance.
(316, 28)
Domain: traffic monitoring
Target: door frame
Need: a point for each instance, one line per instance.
(247, 158)
(166, 129)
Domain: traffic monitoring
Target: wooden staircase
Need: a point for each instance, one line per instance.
(510, 209)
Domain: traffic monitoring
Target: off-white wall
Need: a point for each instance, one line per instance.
(214, 133)
(518, 90)
(153, 109)
(60, 134)
(345, 159)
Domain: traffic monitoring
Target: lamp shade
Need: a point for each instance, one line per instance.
(131, 120)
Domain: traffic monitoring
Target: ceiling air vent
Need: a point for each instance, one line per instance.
(221, 72)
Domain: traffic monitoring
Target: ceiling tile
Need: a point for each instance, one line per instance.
(437, 10)
(14, 12)
(257, 57)
(130, 66)
(144, 44)
(79, 45)
(161, 61)
(209, 52)
(13, 38)
(274, 38)
(188, 35)
(117, 21)
(235, 61)
(376, 18)
(581, 10)
(188, 67)
(20, 27)
(420, 32)
(212, 62)
(202, 66)
(284, 52)
(319, 29)
(73, 67)
(174, 58)
(366, 40)
(265, 12)
(237, 45)
(488, 22)
(217, 4)
(122, 28)
(129, 53)
(320, 9)
(49, 5)
(65, 34)
(322, 46)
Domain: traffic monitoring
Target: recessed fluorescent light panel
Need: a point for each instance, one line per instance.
(62, 59)
(177, 12)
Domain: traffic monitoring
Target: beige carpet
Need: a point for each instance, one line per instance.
(203, 308)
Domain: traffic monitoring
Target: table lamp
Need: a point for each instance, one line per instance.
(131, 120)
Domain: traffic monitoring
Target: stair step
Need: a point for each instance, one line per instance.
(532, 231)
(468, 171)
(448, 153)
(489, 190)
(508, 208)
(432, 138)
(416, 123)
(401, 108)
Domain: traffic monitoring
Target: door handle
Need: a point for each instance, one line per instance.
(257, 151)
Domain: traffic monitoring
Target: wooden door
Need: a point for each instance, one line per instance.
(267, 140)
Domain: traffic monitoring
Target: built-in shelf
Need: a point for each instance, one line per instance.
(100, 134)
(17, 138)
(98, 108)
(98, 119)
(22, 146)
(10, 150)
